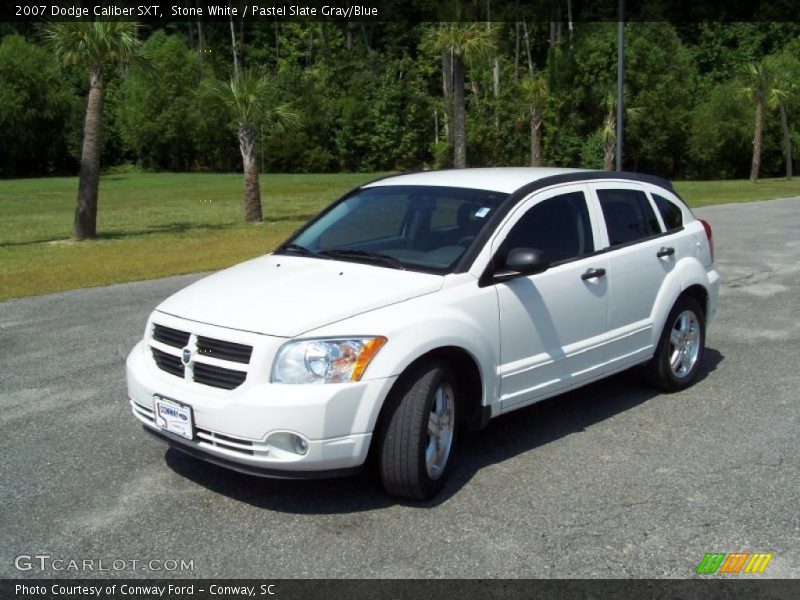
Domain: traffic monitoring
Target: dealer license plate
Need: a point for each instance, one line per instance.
(174, 417)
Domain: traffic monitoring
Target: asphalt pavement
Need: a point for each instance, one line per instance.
(613, 480)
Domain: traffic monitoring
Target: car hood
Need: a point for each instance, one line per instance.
(285, 296)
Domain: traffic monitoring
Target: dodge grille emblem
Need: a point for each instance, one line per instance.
(186, 355)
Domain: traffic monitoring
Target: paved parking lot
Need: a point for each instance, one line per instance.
(613, 480)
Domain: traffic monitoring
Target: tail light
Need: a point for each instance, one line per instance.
(710, 236)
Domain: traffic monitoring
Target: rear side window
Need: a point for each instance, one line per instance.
(629, 216)
(558, 226)
(670, 213)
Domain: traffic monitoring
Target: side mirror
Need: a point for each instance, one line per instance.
(522, 261)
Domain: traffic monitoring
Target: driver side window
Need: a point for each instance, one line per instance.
(559, 226)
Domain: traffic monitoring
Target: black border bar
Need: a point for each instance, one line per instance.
(370, 589)
(413, 11)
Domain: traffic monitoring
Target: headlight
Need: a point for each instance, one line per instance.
(325, 360)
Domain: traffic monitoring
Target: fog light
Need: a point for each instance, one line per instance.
(300, 445)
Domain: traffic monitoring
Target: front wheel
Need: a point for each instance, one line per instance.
(680, 349)
(418, 432)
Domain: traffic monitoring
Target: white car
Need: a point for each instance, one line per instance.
(419, 304)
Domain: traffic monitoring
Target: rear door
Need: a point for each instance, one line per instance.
(639, 258)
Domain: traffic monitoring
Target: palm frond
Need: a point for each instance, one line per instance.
(95, 43)
(246, 100)
(471, 41)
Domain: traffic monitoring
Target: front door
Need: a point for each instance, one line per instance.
(551, 324)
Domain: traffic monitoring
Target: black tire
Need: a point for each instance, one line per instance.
(403, 434)
(659, 371)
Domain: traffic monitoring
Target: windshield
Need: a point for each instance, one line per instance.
(424, 228)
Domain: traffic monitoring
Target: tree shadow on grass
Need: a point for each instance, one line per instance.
(503, 439)
(281, 219)
(175, 227)
(116, 234)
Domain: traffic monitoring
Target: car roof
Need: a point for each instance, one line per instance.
(511, 179)
(499, 179)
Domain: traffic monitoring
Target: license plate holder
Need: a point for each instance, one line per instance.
(173, 417)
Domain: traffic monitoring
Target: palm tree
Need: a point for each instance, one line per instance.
(534, 94)
(608, 131)
(246, 99)
(785, 71)
(464, 44)
(757, 80)
(93, 45)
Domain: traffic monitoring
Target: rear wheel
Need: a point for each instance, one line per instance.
(418, 431)
(680, 349)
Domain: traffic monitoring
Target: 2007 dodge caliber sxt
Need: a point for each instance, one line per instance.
(420, 304)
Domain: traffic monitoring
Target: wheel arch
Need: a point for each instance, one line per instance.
(687, 279)
(469, 378)
(699, 293)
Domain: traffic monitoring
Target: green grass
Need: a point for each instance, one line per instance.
(153, 225)
(149, 225)
(704, 193)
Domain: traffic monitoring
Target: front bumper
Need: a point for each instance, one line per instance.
(249, 428)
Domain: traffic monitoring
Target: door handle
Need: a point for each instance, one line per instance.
(665, 252)
(593, 274)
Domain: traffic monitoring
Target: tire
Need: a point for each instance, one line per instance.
(680, 348)
(413, 463)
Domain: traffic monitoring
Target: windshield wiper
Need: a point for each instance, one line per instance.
(377, 257)
(300, 250)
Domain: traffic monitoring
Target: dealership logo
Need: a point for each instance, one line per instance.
(171, 412)
(186, 355)
(734, 562)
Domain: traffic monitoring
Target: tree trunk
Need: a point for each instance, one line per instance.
(757, 137)
(609, 140)
(201, 41)
(252, 190)
(495, 69)
(555, 23)
(516, 41)
(447, 91)
(608, 157)
(536, 139)
(240, 45)
(85, 225)
(527, 46)
(233, 50)
(277, 45)
(787, 140)
(367, 38)
(201, 38)
(569, 20)
(459, 115)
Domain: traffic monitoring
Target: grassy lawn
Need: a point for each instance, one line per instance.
(704, 193)
(149, 225)
(153, 225)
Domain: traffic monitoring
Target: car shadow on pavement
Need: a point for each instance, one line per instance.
(504, 438)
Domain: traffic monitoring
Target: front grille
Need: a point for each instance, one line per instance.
(224, 350)
(220, 377)
(168, 362)
(205, 350)
(170, 336)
